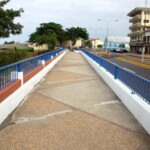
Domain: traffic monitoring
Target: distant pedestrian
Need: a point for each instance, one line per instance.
(15, 48)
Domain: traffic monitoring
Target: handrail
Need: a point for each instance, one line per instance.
(13, 64)
(138, 85)
(9, 73)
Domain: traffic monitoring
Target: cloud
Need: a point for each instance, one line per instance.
(74, 13)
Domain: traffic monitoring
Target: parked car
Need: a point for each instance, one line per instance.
(122, 50)
(113, 50)
(75, 49)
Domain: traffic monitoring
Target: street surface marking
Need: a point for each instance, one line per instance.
(112, 102)
(83, 79)
(24, 120)
(107, 103)
(134, 62)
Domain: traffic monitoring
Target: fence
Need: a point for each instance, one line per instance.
(9, 73)
(138, 85)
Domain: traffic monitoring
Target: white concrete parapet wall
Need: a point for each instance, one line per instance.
(139, 108)
(11, 102)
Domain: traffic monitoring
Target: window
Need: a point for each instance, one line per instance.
(146, 21)
(146, 13)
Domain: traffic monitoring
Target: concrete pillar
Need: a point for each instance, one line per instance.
(20, 77)
(43, 63)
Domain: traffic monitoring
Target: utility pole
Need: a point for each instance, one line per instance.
(107, 24)
(144, 42)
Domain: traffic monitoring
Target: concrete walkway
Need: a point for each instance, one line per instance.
(72, 109)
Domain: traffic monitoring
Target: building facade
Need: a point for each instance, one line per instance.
(140, 19)
(95, 42)
(115, 42)
(147, 41)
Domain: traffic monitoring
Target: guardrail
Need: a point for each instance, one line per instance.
(9, 73)
(138, 85)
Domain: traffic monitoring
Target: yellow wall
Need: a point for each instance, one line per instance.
(78, 42)
(143, 18)
(97, 42)
(67, 43)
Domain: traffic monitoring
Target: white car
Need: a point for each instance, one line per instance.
(122, 50)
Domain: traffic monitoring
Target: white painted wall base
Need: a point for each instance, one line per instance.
(139, 108)
(11, 102)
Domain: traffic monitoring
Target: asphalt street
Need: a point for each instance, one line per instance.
(144, 72)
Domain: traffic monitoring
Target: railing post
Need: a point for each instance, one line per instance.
(20, 73)
(116, 72)
(101, 62)
(43, 63)
(19, 67)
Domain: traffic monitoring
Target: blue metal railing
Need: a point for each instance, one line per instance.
(138, 85)
(9, 73)
(29, 64)
(51, 54)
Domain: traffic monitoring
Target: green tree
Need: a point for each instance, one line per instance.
(74, 33)
(99, 46)
(48, 33)
(88, 43)
(7, 16)
(11, 42)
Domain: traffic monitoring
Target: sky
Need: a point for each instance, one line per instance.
(73, 13)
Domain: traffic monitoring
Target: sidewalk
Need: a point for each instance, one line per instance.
(72, 109)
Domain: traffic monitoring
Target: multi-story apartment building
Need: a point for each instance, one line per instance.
(140, 19)
(147, 41)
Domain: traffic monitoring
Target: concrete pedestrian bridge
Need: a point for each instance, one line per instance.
(72, 108)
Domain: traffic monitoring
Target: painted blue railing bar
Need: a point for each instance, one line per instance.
(30, 64)
(27, 66)
(8, 76)
(138, 85)
(9, 73)
(50, 54)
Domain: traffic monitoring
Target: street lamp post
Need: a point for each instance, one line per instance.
(107, 23)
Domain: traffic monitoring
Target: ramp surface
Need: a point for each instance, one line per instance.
(73, 109)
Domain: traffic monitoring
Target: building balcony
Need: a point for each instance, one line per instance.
(135, 34)
(136, 18)
(136, 43)
(135, 26)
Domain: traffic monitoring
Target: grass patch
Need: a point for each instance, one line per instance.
(12, 56)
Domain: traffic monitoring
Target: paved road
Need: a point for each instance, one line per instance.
(118, 58)
(146, 59)
(144, 72)
(72, 109)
